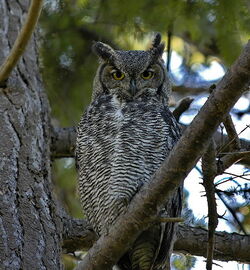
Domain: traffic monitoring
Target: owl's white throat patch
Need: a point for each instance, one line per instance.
(118, 104)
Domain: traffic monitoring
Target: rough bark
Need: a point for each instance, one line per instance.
(209, 170)
(228, 246)
(29, 224)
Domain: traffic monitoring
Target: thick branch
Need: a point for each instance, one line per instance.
(228, 246)
(143, 208)
(63, 142)
(78, 235)
(22, 40)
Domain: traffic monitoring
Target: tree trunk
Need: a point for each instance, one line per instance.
(29, 223)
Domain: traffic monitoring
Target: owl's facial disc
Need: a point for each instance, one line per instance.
(131, 84)
(132, 74)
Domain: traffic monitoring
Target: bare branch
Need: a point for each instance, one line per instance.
(209, 169)
(231, 158)
(22, 40)
(169, 49)
(143, 208)
(231, 210)
(170, 219)
(232, 133)
(78, 235)
(63, 142)
(228, 246)
(182, 107)
(185, 90)
(227, 147)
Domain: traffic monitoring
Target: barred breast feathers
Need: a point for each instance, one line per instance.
(119, 146)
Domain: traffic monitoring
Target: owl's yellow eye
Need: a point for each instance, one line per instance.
(117, 75)
(147, 74)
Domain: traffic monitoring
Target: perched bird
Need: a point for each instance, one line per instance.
(123, 137)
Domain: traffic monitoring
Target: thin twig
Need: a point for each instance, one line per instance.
(170, 219)
(231, 179)
(237, 176)
(22, 40)
(218, 192)
(229, 159)
(230, 141)
(169, 48)
(240, 152)
(232, 133)
(209, 169)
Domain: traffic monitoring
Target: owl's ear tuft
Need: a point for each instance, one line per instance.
(157, 40)
(103, 51)
(157, 47)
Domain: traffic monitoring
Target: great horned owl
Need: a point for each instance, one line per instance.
(123, 137)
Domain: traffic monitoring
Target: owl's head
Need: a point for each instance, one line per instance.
(131, 75)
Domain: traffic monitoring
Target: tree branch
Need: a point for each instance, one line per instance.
(22, 40)
(183, 105)
(78, 235)
(209, 169)
(232, 133)
(63, 145)
(228, 246)
(63, 142)
(185, 90)
(230, 159)
(231, 210)
(143, 208)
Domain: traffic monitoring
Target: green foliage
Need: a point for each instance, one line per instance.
(227, 28)
(215, 27)
(65, 179)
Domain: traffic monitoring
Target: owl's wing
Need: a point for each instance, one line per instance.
(168, 117)
(173, 206)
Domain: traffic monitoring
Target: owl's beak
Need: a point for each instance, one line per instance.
(132, 87)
